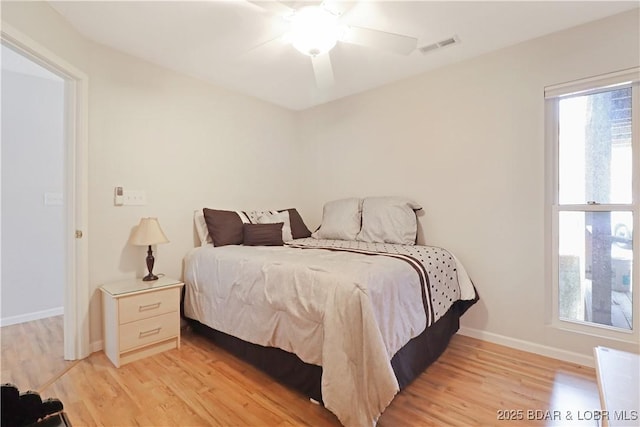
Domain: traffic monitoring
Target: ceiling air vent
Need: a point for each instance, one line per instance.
(439, 45)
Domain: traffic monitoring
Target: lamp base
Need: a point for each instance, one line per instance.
(150, 260)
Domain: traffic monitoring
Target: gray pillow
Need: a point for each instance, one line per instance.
(341, 219)
(389, 220)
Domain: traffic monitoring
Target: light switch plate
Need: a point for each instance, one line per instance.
(134, 198)
(53, 199)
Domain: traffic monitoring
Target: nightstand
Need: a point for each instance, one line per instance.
(618, 374)
(140, 318)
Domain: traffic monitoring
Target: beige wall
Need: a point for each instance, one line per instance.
(186, 143)
(467, 143)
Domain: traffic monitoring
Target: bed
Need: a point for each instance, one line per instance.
(330, 317)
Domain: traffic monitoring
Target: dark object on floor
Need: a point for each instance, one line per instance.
(28, 409)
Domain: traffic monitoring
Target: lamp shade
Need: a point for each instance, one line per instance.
(148, 233)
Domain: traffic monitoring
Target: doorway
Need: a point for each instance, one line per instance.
(71, 197)
(33, 226)
(32, 191)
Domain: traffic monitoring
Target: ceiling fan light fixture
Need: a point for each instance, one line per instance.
(314, 30)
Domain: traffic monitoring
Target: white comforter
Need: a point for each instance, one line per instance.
(347, 312)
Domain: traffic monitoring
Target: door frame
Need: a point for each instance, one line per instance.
(76, 292)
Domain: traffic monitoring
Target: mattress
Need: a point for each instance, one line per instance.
(346, 306)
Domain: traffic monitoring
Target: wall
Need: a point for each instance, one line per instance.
(467, 143)
(32, 165)
(187, 143)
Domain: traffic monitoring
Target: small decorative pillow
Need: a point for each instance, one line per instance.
(263, 234)
(340, 219)
(389, 220)
(274, 218)
(225, 227)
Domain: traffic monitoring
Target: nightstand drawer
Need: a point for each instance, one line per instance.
(149, 304)
(146, 331)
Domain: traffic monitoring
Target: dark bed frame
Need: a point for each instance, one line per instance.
(287, 368)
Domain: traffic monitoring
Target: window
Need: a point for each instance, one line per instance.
(594, 200)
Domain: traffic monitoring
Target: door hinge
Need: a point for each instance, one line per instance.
(78, 234)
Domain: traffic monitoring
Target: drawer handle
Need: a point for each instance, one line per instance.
(149, 306)
(148, 333)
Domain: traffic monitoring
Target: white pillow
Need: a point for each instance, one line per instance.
(272, 218)
(389, 220)
(201, 227)
(340, 219)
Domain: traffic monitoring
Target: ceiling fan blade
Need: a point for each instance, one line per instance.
(299, 4)
(323, 70)
(397, 43)
(279, 39)
(272, 7)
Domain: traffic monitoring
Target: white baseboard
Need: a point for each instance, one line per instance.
(28, 317)
(543, 350)
(96, 346)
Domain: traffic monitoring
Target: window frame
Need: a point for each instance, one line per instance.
(553, 95)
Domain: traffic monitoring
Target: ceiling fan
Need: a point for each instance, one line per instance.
(316, 27)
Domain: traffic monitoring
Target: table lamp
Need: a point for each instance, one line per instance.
(148, 233)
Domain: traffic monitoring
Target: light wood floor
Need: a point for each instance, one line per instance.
(202, 385)
(32, 353)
